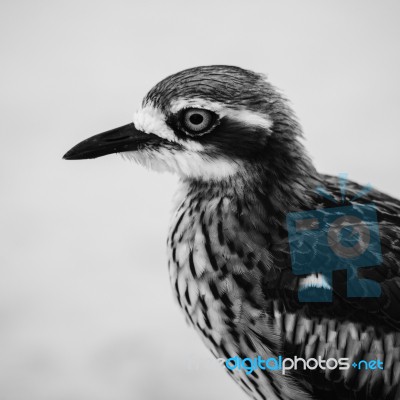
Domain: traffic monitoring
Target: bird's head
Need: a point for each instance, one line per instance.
(207, 123)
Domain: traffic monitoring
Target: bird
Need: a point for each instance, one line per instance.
(238, 150)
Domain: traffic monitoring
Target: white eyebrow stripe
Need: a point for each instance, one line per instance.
(177, 105)
(150, 119)
(250, 118)
(238, 114)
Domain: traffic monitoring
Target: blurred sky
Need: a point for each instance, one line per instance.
(86, 310)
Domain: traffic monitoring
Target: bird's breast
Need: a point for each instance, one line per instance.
(204, 292)
(217, 259)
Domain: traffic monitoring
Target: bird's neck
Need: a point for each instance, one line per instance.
(280, 190)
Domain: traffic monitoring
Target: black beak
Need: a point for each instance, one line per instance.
(118, 140)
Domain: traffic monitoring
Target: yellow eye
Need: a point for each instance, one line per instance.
(197, 120)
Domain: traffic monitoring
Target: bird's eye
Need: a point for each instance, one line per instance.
(197, 121)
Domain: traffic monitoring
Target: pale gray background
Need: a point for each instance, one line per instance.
(86, 311)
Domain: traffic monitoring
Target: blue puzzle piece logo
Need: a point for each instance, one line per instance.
(330, 239)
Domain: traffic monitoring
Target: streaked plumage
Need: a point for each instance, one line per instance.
(229, 258)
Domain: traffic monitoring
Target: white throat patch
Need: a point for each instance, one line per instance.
(186, 163)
